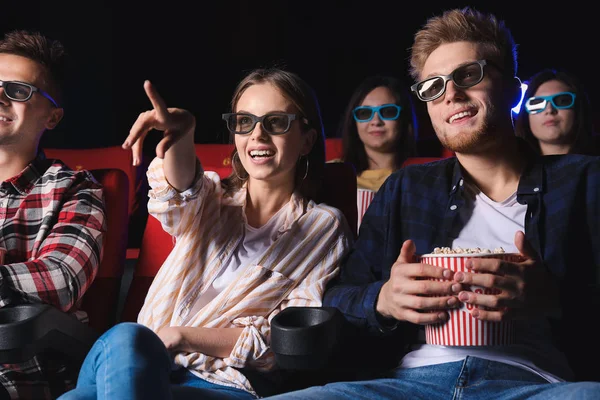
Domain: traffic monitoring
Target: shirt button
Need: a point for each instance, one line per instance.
(536, 189)
(453, 187)
(453, 207)
(461, 182)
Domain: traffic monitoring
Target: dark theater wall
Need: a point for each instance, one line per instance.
(195, 52)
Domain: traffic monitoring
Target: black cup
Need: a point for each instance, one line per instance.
(304, 338)
(29, 329)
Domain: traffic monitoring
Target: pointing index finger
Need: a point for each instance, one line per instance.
(158, 103)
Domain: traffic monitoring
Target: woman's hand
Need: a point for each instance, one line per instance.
(176, 147)
(175, 123)
(173, 338)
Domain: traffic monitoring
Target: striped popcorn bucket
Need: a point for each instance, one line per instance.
(363, 198)
(462, 329)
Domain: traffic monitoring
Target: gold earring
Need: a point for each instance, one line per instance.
(306, 169)
(233, 166)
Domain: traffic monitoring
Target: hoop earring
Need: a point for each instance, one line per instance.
(306, 169)
(233, 166)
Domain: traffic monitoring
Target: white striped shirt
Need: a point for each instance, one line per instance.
(208, 227)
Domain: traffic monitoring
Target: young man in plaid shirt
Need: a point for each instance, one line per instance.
(52, 219)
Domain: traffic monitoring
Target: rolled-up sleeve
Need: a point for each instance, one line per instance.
(175, 209)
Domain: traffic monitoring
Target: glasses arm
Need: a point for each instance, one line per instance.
(46, 95)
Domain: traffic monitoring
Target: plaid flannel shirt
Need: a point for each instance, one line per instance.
(52, 222)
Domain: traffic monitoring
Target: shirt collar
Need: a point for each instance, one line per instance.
(457, 177)
(530, 182)
(26, 179)
(297, 207)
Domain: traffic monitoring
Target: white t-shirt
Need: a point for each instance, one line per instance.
(256, 241)
(490, 224)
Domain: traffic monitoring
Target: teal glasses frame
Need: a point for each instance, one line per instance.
(537, 104)
(387, 112)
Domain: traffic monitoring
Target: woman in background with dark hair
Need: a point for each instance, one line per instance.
(378, 133)
(556, 117)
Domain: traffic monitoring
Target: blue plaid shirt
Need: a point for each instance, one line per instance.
(422, 203)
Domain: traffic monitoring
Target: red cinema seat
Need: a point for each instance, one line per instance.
(420, 160)
(339, 191)
(156, 246)
(113, 157)
(215, 157)
(101, 299)
(101, 158)
(333, 149)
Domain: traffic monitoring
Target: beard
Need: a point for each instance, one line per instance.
(7, 140)
(470, 140)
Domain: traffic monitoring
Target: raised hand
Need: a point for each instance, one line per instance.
(174, 122)
(526, 288)
(414, 292)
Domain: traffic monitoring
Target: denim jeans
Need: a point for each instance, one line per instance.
(129, 361)
(472, 378)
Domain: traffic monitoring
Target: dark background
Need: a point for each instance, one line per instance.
(196, 52)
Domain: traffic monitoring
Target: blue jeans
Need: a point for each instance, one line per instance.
(472, 378)
(129, 361)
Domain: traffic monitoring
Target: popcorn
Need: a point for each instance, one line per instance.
(471, 250)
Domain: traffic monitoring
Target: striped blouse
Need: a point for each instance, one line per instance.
(208, 227)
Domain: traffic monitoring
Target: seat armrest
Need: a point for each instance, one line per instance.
(29, 329)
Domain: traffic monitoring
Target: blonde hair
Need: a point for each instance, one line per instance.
(465, 25)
